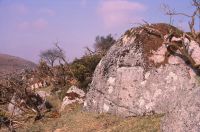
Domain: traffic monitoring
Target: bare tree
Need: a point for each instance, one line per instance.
(62, 57)
(89, 51)
(191, 23)
(168, 11)
(61, 54)
(50, 56)
(53, 55)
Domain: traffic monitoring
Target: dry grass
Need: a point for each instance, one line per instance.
(74, 119)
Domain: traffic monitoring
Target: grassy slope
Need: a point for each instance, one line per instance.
(74, 119)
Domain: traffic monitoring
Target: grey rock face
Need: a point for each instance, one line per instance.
(130, 82)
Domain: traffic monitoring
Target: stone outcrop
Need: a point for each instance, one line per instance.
(138, 78)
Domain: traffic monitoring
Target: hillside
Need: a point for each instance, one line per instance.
(10, 64)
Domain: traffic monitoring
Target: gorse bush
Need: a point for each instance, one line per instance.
(83, 69)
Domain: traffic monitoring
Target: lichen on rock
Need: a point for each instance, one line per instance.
(137, 78)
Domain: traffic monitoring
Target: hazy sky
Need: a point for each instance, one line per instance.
(30, 26)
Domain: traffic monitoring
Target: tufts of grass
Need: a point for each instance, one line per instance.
(74, 119)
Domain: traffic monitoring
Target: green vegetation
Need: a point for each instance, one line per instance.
(83, 69)
(102, 44)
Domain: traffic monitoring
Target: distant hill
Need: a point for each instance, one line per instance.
(10, 64)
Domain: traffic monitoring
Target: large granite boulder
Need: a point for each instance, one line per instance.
(138, 78)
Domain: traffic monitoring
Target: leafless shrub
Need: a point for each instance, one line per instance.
(168, 11)
(53, 55)
(196, 14)
(50, 56)
(28, 100)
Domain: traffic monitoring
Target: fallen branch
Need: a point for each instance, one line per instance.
(173, 47)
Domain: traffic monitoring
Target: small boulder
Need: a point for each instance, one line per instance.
(12, 108)
(45, 103)
(39, 98)
(73, 95)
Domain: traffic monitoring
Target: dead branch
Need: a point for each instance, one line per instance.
(153, 31)
(173, 47)
(89, 51)
(196, 13)
(20, 92)
(61, 55)
(168, 11)
(147, 23)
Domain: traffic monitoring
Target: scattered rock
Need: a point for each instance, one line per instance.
(136, 78)
(45, 103)
(17, 105)
(43, 94)
(12, 108)
(74, 89)
(73, 95)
